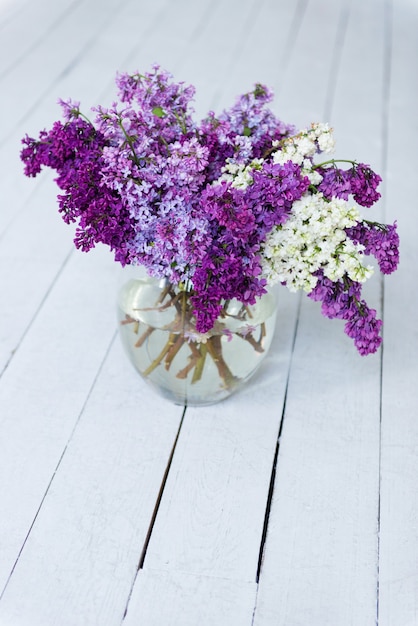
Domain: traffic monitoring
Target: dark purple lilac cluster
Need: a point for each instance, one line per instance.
(359, 181)
(156, 187)
(342, 300)
(75, 151)
(380, 240)
(239, 220)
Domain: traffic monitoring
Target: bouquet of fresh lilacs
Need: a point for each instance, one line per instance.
(222, 208)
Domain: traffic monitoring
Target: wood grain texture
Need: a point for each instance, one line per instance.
(182, 599)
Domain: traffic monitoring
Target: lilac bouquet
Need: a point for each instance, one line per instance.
(221, 209)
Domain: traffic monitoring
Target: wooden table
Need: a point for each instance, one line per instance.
(295, 502)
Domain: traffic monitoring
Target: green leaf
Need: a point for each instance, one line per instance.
(158, 111)
(247, 131)
(259, 90)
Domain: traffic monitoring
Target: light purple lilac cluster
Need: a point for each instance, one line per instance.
(148, 181)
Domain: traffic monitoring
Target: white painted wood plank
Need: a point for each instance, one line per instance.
(9, 10)
(69, 41)
(179, 599)
(211, 516)
(263, 43)
(79, 562)
(357, 102)
(302, 92)
(217, 53)
(261, 55)
(398, 590)
(320, 562)
(44, 389)
(47, 245)
(321, 555)
(19, 37)
(72, 389)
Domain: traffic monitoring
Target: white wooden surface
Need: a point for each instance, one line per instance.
(293, 503)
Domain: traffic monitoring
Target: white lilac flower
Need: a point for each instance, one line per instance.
(314, 238)
(324, 137)
(314, 176)
(288, 152)
(304, 145)
(238, 174)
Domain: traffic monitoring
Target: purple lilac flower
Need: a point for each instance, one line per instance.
(335, 183)
(360, 181)
(275, 187)
(240, 220)
(227, 208)
(364, 328)
(156, 163)
(380, 240)
(223, 275)
(74, 150)
(338, 298)
(242, 133)
(250, 117)
(155, 89)
(364, 183)
(230, 267)
(341, 300)
(158, 102)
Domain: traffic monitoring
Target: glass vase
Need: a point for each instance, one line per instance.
(157, 328)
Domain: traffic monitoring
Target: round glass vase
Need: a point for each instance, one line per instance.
(157, 328)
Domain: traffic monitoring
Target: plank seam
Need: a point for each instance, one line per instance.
(36, 313)
(276, 456)
(155, 513)
(387, 65)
